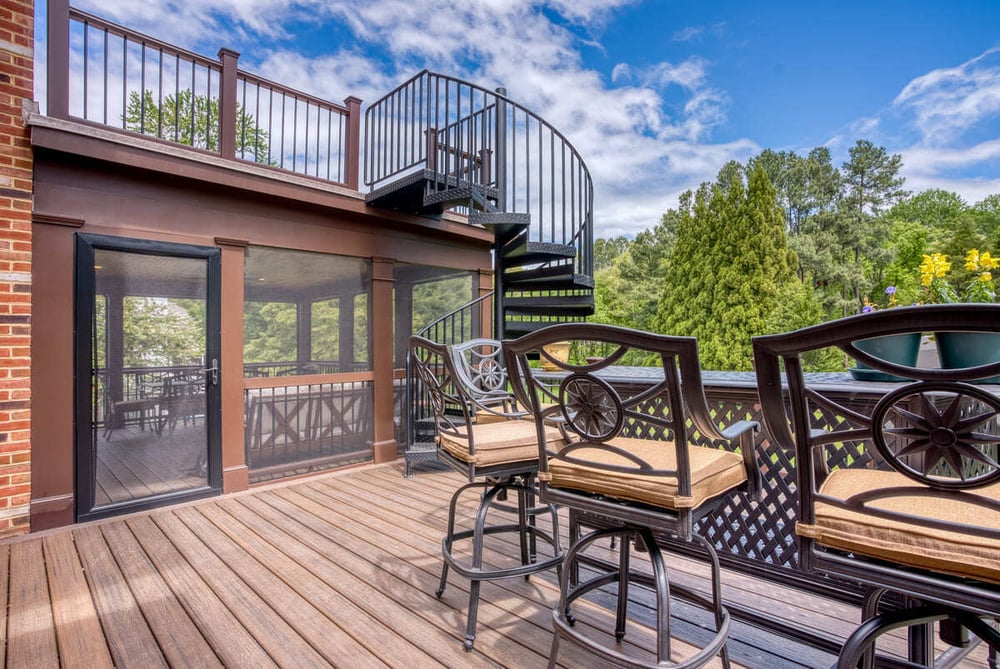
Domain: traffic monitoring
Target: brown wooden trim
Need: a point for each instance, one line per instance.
(49, 512)
(235, 478)
(225, 241)
(57, 74)
(385, 451)
(227, 103)
(95, 141)
(382, 357)
(231, 378)
(52, 219)
(307, 379)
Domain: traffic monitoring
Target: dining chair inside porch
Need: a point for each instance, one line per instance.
(902, 495)
(499, 459)
(148, 406)
(641, 464)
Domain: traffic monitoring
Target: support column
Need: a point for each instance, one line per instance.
(235, 474)
(384, 445)
(485, 312)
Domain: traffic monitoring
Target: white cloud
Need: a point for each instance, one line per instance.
(946, 102)
(689, 74)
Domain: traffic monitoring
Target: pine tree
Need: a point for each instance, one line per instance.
(730, 262)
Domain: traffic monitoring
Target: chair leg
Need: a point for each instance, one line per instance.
(866, 634)
(477, 558)
(495, 490)
(624, 557)
(717, 602)
(449, 537)
(661, 582)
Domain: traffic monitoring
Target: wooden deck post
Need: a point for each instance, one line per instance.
(227, 103)
(352, 146)
(57, 87)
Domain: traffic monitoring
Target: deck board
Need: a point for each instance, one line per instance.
(126, 631)
(339, 570)
(229, 639)
(179, 639)
(31, 639)
(81, 642)
(268, 627)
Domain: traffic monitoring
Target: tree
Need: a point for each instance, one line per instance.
(871, 183)
(158, 332)
(987, 215)
(935, 209)
(606, 251)
(194, 120)
(730, 263)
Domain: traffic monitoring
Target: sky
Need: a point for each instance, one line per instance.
(656, 95)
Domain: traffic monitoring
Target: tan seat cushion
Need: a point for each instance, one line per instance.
(713, 471)
(951, 552)
(499, 443)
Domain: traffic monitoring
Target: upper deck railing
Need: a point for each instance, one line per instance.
(462, 133)
(104, 73)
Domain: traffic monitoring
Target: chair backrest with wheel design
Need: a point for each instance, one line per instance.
(904, 494)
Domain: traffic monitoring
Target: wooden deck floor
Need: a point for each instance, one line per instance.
(336, 570)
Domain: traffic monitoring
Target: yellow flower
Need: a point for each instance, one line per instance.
(934, 266)
(988, 262)
(985, 277)
(972, 260)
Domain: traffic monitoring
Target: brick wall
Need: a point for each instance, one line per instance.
(16, 84)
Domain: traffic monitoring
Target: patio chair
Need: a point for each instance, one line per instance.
(480, 368)
(631, 469)
(499, 459)
(903, 495)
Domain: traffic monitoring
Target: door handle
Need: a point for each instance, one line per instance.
(214, 372)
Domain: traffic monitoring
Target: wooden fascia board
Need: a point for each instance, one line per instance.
(99, 143)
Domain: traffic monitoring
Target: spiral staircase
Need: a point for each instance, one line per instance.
(437, 143)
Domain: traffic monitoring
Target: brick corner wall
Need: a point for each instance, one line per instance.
(16, 87)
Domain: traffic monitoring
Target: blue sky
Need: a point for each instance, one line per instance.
(658, 94)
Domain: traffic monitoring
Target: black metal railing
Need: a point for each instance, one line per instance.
(460, 325)
(464, 134)
(108, 74)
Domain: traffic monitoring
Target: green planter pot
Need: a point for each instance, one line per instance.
(968, 349)
(901, 349)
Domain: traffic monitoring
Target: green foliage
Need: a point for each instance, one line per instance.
(194, 120)
(158, 332)
(722, 269)
(728, 267)
(606, 251)
(434, 299)
(325, 337)
(269, 332)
